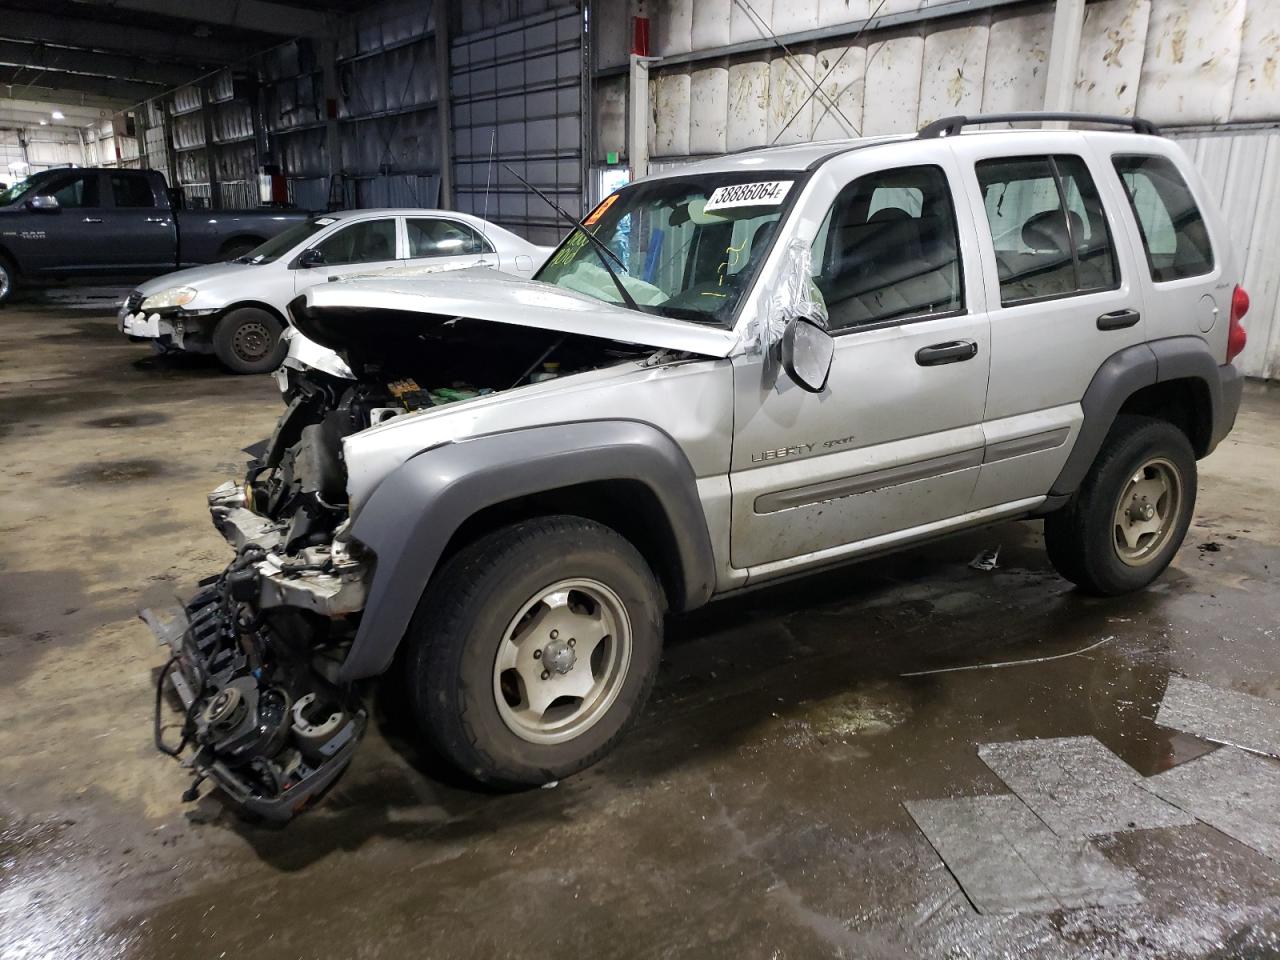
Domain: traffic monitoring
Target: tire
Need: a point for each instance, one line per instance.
(1129, 517)
(485, 718)
(8, 279)
(248, 341)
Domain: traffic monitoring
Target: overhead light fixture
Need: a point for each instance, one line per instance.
(58, 115)
(44, 123)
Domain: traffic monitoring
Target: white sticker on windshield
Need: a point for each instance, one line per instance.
(325, 221)
(767, 193)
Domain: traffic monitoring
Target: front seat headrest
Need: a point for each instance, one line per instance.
(1046, 232)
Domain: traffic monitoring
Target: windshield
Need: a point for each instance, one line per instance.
(689, 246)
(282, 243)
(16, 190)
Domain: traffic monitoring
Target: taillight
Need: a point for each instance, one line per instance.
(1236, 337)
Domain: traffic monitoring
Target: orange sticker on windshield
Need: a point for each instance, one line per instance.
(598, 212)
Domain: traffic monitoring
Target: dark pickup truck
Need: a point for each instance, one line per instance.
(88, 221)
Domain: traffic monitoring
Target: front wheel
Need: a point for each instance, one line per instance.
(248, 341)
(533, 649)
(1131, 513)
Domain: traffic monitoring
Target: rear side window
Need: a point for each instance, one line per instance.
(443, 238)
(888, 250)
(1173, 232)
(131, 191)
(1048, 228)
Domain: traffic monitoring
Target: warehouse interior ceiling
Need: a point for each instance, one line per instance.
(116, 53)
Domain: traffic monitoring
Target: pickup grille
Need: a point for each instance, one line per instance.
(132, 304)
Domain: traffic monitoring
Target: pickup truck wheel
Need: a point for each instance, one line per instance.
(8, 278)
(533, 649)
(1131, 513)
(248, 341)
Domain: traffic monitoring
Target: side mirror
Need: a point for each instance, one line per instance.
(807, 352)
(43, 203)
(311, 258)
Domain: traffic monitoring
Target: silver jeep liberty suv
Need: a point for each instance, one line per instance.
(749, 367)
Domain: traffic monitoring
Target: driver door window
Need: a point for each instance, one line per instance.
(76, 192)
(888, 250)
(371, 241)
(360, 248)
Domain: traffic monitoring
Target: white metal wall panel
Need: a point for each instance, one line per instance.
(954, 68)
(1111, 46)
(1242, 172)
(711, 24)
(671, 114)
(842, 71)
(743, 26)
(748, 105)
(831, 12)
(892, 103)
(1257, 89)
(675, 27)
(709, 110)
(611, 117)
(790, 106)
(793, 16)
(1017, 62)
(1192, 52)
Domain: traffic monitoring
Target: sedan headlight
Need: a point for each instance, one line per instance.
(173, 297)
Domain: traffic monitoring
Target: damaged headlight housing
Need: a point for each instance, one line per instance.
(168, 299)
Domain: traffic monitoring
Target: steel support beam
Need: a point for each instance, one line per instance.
(141, 42)
(260, 16)
(23, 83)
(68, 59)
(835, 32)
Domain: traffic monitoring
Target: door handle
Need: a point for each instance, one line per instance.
(1118, 319)
(954, 351)
(92, 219)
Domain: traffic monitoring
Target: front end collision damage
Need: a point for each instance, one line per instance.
(253, 658)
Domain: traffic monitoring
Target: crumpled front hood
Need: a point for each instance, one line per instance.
(480, 293)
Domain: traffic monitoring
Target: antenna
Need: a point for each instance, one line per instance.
(488, 178)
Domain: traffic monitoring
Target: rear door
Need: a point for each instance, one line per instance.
(893, 445)
(1064, 295)
(446, 243)
(137, 227)
(365, 246)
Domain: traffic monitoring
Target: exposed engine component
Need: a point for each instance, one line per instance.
(259, 718)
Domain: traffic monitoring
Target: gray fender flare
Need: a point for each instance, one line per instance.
(412, 514)
(1122, 375)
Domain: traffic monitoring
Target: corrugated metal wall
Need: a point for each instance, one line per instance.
(517, 101)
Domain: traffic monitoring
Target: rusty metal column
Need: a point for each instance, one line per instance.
(332, 141)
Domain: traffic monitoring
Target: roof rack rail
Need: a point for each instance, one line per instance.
(950, 126)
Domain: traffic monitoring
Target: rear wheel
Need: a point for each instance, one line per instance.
(534, 649)
(1131, 513)
(248, 341)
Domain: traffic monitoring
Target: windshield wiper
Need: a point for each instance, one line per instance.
(601, 248)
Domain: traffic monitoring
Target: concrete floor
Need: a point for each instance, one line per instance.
(755, 812)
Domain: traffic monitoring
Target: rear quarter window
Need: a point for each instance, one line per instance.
(1174, 235)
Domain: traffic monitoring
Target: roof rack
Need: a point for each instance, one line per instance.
(950, 126)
